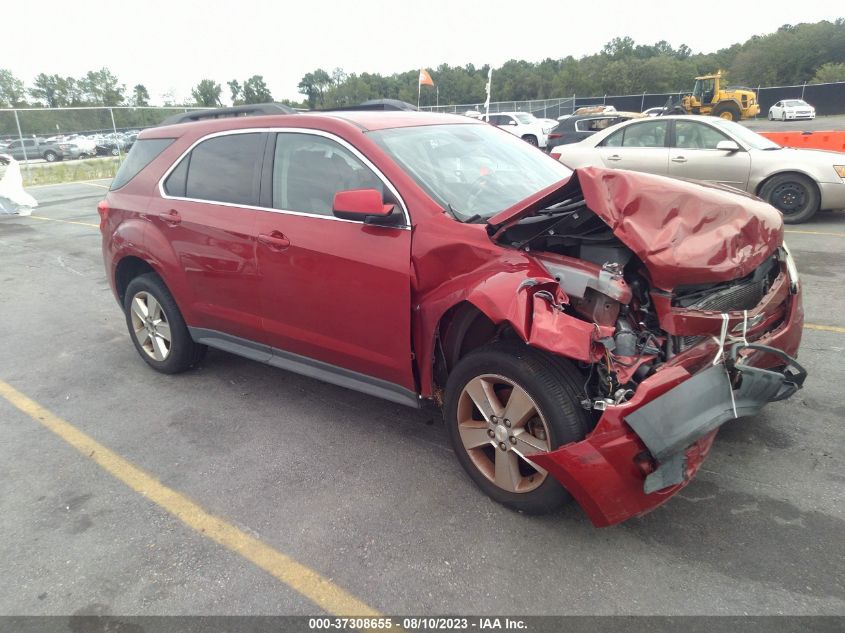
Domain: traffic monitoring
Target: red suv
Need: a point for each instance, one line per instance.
(586, 333)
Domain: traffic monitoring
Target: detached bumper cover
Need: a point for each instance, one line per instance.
(670, 423)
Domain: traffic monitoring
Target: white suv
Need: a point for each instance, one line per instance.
(522, 124)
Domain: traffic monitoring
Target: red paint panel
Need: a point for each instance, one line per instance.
(833, 141)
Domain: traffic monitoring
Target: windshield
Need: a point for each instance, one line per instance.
(475, 170)
(794, 102)
(744, 135)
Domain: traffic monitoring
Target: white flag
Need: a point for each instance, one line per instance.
(489, 81)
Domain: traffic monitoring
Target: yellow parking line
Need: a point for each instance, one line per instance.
(316, 588)
(41, 217)
(815, 233)
(825, 328)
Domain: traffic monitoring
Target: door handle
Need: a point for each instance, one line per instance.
(275, 240)
(679, 159)
(614, 157)
(171, 217)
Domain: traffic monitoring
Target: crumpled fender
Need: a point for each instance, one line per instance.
(505, 289)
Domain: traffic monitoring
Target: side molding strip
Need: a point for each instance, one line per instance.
(306, 366)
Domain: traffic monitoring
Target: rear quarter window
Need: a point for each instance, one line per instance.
(143, 152)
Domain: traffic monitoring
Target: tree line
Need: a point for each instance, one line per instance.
(793, 54)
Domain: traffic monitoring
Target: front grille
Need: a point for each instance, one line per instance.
(744, 295)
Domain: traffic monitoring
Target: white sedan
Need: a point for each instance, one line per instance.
(790, 109)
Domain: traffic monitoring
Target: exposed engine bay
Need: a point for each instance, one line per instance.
(607, 284)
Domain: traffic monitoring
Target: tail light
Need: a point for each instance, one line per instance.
(103, 210)
(555, 155)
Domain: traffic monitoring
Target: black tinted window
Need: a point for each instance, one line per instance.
(141, 155)
(224, 169)
(177, 181)
(308, 170)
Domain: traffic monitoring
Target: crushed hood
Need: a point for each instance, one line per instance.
(684, 232)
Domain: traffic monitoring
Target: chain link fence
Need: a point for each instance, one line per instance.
(828, 99)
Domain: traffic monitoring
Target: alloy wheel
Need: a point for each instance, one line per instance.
(150, 326)
(500, 427)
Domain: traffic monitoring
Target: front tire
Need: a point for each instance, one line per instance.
(531, 140)
(504, 402)
(796, 196)
(157, 328)
(51, 156)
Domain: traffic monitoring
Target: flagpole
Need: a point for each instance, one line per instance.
(419, 90)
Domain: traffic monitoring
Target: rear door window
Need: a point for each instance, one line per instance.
(225, 169)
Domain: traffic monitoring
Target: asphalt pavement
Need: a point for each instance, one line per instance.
(365, 493)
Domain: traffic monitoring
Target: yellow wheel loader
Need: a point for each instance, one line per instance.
(709, 97)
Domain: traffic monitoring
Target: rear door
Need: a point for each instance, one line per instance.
(640, 146)
(333, 291)
(694, 155)
(207, 216)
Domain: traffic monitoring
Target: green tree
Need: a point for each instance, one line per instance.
(45, 90)
(207, 93)
(101, 87)
(256, 91)
(140, 95)
(12, 90)
(236, 90)
(829, 73)
(314, 86)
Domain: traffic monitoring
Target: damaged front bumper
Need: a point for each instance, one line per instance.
(645, 450)
(685, 414)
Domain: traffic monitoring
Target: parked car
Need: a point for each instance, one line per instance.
(30, 149)
(522, 124)
(790, 109)
(572, 326)
(578, 127)
(658, 111)
(797, 182)
(111, 146)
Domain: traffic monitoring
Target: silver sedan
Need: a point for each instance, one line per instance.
(797, 182)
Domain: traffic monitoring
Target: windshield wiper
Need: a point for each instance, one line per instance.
(455, 215)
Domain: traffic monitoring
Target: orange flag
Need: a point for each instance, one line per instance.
(425, 78)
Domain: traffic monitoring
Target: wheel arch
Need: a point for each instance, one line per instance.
(127, 269)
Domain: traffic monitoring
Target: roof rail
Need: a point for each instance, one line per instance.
(256, 109)
(378, 104)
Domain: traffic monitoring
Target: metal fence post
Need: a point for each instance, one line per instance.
(117, 144)
(802, 90)
(23, 145)
(642, 103)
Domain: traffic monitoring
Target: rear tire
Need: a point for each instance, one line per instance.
(157, 327)
(728, 111)
(531, 140)
(541, 394)
(796, 196)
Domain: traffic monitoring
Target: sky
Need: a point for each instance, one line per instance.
(170, 46)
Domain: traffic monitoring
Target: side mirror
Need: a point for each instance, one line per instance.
(364, 205)
(511, 122)
(727, 146)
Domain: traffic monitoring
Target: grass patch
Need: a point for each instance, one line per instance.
(69, 171)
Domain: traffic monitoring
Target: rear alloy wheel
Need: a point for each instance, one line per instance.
(157, 327)
(505, 402)
(531, 140)
(794, 195)
(115, 151)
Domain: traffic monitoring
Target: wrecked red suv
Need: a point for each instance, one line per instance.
(586, 333)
